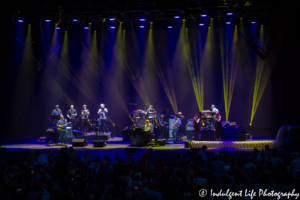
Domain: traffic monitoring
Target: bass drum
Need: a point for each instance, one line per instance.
(141, 123)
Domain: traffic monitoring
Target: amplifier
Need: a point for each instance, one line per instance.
(189, 127)
(69, 131)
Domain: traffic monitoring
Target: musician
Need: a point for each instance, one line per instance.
(102, 117)
(197, 123)
(218, 126)
(150, 110)
(148, 126)
(183, 124)
(84, 116)
(72, 113)
(214, 109)
(211, 121)
(176, 127)
(57, 111)
(62, 133)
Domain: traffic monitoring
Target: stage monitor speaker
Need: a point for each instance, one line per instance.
(232, 124)
(161, 142)
(224, 123)
(131, 150)
(79, 143)
(99, 143)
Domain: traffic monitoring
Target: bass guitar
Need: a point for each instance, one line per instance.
(62, 126)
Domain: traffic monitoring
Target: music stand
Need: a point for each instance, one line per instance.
(52, 118)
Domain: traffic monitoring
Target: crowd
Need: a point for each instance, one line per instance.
(48, 177)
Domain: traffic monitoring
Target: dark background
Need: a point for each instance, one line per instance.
(29, 95)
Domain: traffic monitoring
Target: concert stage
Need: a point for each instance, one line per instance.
(117, 143)
(116, 146)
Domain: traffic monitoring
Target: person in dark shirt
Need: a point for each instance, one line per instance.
(84, 116)
(56, 111)
(62, 133)
(218, 126)
(197, 123)
(72, 113)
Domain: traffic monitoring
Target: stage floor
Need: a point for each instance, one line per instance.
(115, 143)
(20, 149)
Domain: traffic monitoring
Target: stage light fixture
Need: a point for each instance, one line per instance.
(57, 28)
(47, 20)
(228, 22)
(177, 17)
(112, 27)
(142, 26)
(204, 15)
(253, 22)
(86, 27)
(230, 13)
(142, 20)
(20, 20)
(75, 20)
(111, 19)
(170, 27)
(201, 24)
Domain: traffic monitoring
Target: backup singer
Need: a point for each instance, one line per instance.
(197, 123)
(176, 127)
(84, 116)
(62, 133)
(72, 113)
(102, 117)
(218, 126)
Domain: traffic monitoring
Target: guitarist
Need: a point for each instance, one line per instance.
(84, 116)
(61, 124)
(176, 127)
(72, 114)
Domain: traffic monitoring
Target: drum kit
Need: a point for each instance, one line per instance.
(139, 117)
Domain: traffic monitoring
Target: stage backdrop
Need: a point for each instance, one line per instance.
(180, 69)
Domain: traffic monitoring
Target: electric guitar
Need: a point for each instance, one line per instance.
(62, 126)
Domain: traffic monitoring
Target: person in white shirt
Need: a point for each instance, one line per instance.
(102, 112)
(214, 109)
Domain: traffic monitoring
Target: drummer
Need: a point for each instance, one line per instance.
(150, 111)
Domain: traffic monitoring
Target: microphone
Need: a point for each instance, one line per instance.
(133, 104)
